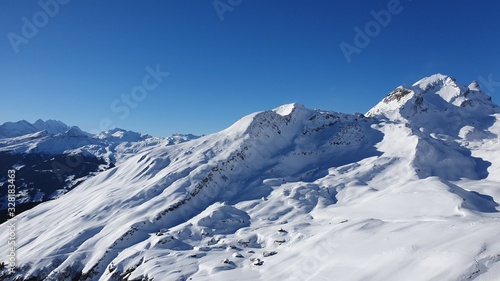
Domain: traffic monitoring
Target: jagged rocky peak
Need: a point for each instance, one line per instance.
(23, 127)
(51, 126)
(420, 87)
(434, 94)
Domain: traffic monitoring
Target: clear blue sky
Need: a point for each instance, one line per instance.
(85, 55)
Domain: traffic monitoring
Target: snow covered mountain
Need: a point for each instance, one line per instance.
(444, 117)
(113, 145)
(23, 127)
(408, 192)
(51, 158)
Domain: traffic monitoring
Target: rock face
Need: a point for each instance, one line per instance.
(304, 194)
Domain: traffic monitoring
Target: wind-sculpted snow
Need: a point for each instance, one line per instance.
(290, 194)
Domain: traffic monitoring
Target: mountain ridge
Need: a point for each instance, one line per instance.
(52, 158)
(290, 193)
(435, 93)
(23, 127)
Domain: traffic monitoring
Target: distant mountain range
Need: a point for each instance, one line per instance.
(23, 127)
(51, 157)
(407, 191)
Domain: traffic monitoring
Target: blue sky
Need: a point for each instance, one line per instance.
(229, 58)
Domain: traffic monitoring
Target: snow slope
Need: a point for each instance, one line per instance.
(51, 157)
(409, 192)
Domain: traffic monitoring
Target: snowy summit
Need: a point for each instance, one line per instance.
(434, 94)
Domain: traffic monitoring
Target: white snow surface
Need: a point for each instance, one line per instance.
(410, 192)
(55, 137)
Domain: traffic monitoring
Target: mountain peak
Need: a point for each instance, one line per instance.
(75, 131)
(51, 126)
(23, 127)
(123, 135)
(474, 86)
(434, 94)
(287, 109)
(434, 80)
